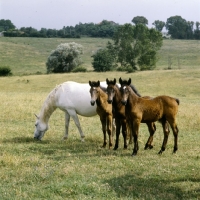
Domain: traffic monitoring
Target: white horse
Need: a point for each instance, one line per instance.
(72, 98)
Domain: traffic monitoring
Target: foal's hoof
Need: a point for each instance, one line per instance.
(160, 152)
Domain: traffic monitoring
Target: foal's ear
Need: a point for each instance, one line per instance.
(36, 116)
(98, 83)
(90, 83)
(129, 81)
(114, 81)
(120, 80)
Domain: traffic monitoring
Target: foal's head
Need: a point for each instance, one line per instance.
(111, 91)
(125, 90)
(94, 91)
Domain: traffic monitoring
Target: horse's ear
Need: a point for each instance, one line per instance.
(120, 80)
(129, 81)
(107, 81)
(98, 82)
(36, 116)
(114, 81)
(90, 83)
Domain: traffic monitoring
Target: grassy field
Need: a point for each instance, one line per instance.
(28, 55)
(57, 169)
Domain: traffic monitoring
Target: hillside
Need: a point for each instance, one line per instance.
(29, 55)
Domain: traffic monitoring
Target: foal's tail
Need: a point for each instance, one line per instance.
(178, 101)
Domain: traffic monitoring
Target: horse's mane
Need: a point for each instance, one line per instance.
(135, 90)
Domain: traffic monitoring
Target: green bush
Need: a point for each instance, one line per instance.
(79, 69)
(5, 71)
(64, 58)
(103, 61)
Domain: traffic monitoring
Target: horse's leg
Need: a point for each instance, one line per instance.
(166, 131)
(118, 126)
(152, 129)
(135, 130)
(103, 124)
(113, 127)
(175, 133)
(109, 130)
(73, 114)
(67, 118)
(124, 133)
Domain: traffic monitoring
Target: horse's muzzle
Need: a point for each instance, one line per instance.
(123, 102)
(92, 103)
(109, 101)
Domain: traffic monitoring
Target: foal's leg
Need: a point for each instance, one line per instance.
(103, 123)
(118, 126)
(166, 131)
(175, 133)
(109, 129)
(67, 118)
(152, 129)
(124, 133)
(135, 130)
(73, 114)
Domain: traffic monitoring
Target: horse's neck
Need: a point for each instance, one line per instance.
(117, 97)
(48, 108)
(133, 97)
(102, 99)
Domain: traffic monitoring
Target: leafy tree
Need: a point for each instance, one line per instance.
(6, 25)
(197, 31)
(64, 58)
(140, 20)
(159, 25)
(103, 60)
(137, 46)
(177, 27)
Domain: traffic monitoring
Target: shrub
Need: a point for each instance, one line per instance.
(79, 69)
(64, 58)
(103, 61)
(5, 71)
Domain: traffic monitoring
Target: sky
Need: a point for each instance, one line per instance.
(54, 14)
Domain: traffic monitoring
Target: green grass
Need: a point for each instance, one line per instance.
(57, 169)
(28, 55)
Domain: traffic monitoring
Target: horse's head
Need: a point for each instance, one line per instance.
(111, 89)
(40, 128)
(94, 91)
(125, 90)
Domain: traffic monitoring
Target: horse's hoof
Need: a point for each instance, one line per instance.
(160, 152)
(134, 154)
(150, 146)
(115, 148)
(65, 138)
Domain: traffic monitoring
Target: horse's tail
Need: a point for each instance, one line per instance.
(178, 101)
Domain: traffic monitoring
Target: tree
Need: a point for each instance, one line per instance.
(177, 27)
(64, 58)
(140, 20)
(6, 25)
(103, 60)
(197, 31)
(158, 25)
(137, 46)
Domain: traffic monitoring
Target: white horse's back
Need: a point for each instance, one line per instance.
(76, 96)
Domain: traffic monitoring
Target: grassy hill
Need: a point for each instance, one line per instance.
(29, 55)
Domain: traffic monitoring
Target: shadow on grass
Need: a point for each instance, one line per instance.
(138, 187)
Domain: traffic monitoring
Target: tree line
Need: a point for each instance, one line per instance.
(176, 26)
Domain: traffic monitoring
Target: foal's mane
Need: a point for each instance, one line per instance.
(125, 82)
